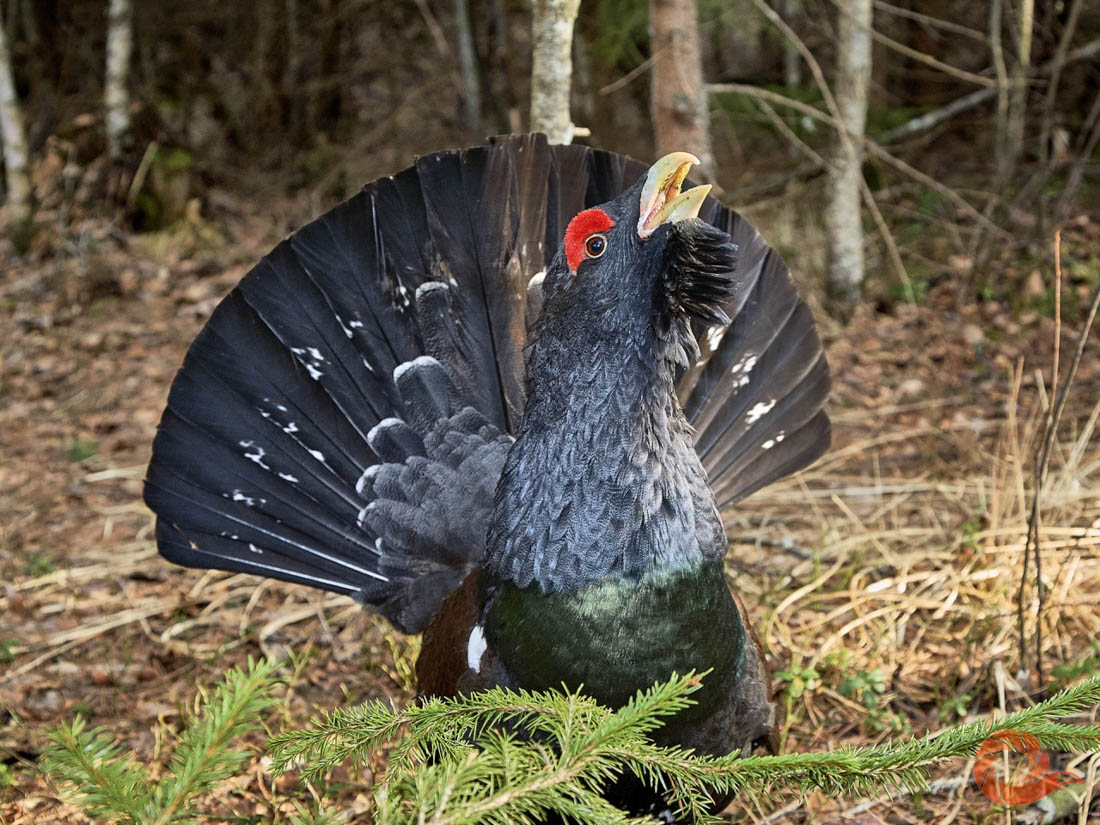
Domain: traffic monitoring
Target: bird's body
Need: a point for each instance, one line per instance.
(426, 400)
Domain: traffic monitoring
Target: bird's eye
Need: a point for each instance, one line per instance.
(595, 245)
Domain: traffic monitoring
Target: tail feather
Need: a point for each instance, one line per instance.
(765, 379)
(756, 394)
(470, 214)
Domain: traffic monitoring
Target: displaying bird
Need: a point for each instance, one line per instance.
(502, 398)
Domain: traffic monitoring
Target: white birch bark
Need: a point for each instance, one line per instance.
(116, 95)
(679, 98)
(16, 155)
(843, 219)
(552, 68)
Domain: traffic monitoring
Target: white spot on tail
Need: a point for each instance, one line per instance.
(288, 477)
(317, 454)
(771, 442)
(249, 500)
(759, 410)
(257, 456)
(344, 327)
(312, 367)
(254, 548)
(745, 364)
(475, 649)
(744, 367)
(715, 336)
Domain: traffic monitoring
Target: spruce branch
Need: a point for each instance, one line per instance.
(516, 756)
(97, 773)
(204, 755)
(110, 786)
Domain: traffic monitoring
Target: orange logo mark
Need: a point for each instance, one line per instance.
(1039, 781)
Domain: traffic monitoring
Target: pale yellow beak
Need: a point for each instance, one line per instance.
(662, 201)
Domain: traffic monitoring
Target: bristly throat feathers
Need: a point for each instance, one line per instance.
(603, 480)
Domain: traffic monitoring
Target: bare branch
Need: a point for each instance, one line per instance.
(1057, 63)
(873, 147)
(936, 22)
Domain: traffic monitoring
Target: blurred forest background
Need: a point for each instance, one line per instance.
(154, 152)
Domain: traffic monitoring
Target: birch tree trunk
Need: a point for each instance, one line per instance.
(1011, 140)
(116, 95)
(681, 118)
(16, 156)
(467, 58)
(843, 221)
(552, 68)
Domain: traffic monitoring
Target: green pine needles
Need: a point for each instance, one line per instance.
(504, 756)
(111, 786)
(509, 756)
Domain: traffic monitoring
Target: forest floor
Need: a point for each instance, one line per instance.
(884, 580)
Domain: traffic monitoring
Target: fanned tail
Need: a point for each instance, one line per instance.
(342, 419)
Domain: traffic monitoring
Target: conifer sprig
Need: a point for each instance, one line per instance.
(504, 756)
(508, 756)
(110, 786)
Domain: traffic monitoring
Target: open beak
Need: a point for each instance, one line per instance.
(662, 200)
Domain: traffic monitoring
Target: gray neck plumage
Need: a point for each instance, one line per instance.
(603, 480)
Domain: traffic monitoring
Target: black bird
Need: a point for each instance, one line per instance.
(499, 398)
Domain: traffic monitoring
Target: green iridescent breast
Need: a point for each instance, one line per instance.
(616, 637)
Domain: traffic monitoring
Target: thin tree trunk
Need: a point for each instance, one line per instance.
(552, 68)
(1048, 157)
(292, 78)
(681, 118)
(467, 58)
(1017, 99)
(843, 221)
(585, 94)
(501, 78)
(792, 60)
(116, 94)
(16, 155)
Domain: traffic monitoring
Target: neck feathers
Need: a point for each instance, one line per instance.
(603, 480)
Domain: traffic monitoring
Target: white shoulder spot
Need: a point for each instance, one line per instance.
(475, 649)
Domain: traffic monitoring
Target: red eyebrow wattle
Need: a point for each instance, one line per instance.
(586, 223)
